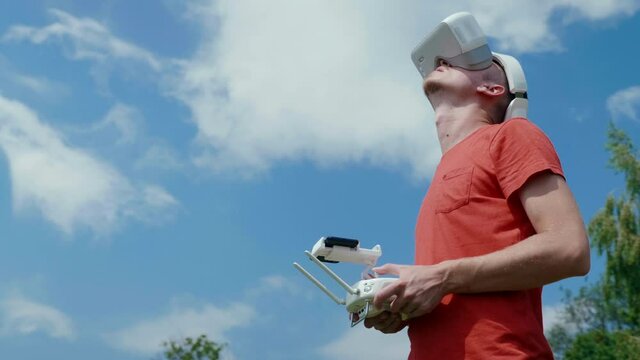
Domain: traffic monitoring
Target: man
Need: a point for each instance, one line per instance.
(497, 223)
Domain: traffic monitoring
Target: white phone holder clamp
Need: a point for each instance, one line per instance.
(359, 298)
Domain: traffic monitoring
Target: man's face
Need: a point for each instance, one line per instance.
(453, 81)
(448, 78)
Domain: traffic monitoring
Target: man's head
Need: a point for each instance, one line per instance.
(456, 86)
(459, 43)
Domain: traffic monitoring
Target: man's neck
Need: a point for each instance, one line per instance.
(456, 123)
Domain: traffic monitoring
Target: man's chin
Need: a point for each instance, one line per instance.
(431, 87)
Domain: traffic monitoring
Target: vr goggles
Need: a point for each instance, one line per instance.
(459, 40)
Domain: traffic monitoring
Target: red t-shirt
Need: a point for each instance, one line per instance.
(468, 211)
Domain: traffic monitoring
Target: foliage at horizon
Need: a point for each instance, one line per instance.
(200, 348)
(602, 321)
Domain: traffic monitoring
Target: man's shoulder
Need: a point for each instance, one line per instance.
(517, 128)
(517, 123)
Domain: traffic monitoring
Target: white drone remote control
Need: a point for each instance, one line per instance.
(359, 299)
(360, 306)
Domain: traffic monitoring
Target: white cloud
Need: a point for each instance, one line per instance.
(125, 125)
(625, 103)
(277, 282)
(270, 83)
(273, 284)
(503, 19)
(159, 156)
(90, 39)
(125, 119)
(552, 315)
(71, 188)
(146, 337)
(361, 343)
(599, 9)
(157, 197)
(22, 316)
(275, 84)
(42, 87)
(38, 85)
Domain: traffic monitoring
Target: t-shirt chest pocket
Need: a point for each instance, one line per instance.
(454, 190)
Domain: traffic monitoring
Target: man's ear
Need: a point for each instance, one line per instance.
(490, 89)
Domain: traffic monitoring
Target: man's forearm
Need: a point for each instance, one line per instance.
(538, 260)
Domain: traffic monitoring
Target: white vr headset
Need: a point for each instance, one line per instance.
(459, 40)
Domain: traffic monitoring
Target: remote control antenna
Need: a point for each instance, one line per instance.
(319, 284)
(335, 277)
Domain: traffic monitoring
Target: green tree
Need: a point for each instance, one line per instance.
(200, 348)
(602, 321)
(603, 345)
(614, 233)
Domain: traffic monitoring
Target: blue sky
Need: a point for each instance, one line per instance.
(164, 163)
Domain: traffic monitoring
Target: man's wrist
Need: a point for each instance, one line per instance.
(453, 276)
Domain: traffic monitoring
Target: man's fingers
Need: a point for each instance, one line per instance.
(408, 310)
(422, 309)
(398, 304)
(394, 325)
(373, 321)
(384, 324)
(369, 322)
(398, 325)
(385, 269)
(395, 288)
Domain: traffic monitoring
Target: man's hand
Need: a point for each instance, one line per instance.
(417, 291)
(386, 322)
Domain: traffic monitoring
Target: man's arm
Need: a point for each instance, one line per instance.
(559, 249)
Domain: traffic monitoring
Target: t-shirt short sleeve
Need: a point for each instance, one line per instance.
(518, 151)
